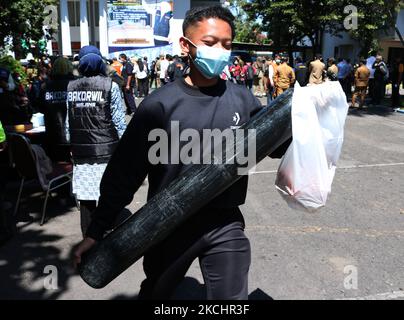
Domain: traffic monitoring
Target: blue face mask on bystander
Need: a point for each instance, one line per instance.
(210, 61)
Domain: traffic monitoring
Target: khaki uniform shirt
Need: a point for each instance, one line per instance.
(362, 75)
(316, 71)
(284, 76)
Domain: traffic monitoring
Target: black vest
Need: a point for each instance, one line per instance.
(54, 108)
(93, 136)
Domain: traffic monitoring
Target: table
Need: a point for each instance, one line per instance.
(35, 135)
(38, 130)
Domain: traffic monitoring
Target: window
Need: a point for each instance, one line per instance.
(74, 13)
(96, 13)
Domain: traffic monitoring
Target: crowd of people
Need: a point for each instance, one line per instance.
(83, 101)
(265, 76)
(270, 76)
(44, 86)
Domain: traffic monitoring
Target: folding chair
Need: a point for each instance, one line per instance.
(23, 159)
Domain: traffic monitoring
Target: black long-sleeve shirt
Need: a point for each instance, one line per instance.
(222, 106)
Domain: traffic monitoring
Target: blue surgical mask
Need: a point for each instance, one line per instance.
(210, 61)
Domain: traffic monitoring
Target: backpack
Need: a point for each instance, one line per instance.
(250, 73)
(119, 80)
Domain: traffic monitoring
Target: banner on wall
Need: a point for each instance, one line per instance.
(149, 53)
(139, 25)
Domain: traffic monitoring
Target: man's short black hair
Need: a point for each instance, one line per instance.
(198, 14)
(122, 55)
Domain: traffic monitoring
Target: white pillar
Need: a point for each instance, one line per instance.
(65, 29)
(84, 34)
(103, 27)
(180, 9)
(49, 48)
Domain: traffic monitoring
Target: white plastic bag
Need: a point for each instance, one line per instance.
(307, 169)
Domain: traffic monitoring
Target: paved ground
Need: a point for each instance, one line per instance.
(295, 255)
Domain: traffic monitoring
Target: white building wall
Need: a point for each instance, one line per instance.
(400, 23)
(93, 33)
(349, 48)
(180, 9)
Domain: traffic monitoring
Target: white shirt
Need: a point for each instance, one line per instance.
(163, 68)
(271, 74)
(369, 63)
(140, 74)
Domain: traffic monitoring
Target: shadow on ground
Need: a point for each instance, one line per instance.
(24, 256)
(191, 289)
(23, 262)
(379, 110)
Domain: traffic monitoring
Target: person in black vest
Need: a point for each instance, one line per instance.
(53, 106)
(381, 72)
(96, 121)
(301, 72)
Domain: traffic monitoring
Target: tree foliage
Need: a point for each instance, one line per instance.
(247, 30)
(289, 22)
(22, 21)
(375, 17)
(15, 67)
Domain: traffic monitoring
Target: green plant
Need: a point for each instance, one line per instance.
(14, 66)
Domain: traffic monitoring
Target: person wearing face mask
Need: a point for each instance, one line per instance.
(236, 71)
(284, 77)
(200, 100)
(95, 121)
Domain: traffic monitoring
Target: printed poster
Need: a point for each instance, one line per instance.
(139, 24)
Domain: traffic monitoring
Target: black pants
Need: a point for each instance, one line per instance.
(346, 86)
(87, 207)
(395, 95)
(217, 239)
(143, 87)
(371, 89)
(129, 101)
(163, 81)
(379, 91)
(153, 78)
(249, 83)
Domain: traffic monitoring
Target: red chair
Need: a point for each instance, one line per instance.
(24, 160)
